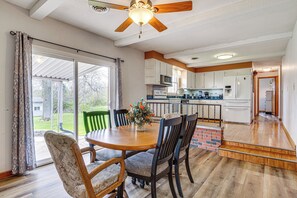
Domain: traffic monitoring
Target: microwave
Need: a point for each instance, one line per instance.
(166, 80)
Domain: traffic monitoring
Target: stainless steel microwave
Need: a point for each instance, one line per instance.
(166, 80)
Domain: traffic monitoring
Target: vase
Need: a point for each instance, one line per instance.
(140, 128)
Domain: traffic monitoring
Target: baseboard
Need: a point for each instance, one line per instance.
(6, 174)
(288, 136)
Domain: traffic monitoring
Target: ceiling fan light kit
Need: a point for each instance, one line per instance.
(142, 12)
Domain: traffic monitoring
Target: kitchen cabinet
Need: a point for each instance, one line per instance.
(219, 79)
(238, 72)
(169, 70)
(209, 80)
(188, 80)
(200, 84)
(163, 68)
(152, 72)
(166, 69)
(191, 80)
(153, 69)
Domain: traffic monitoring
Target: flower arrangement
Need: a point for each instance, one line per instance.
(140, 114)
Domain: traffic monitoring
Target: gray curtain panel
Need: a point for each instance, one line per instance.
(23, 153)
(119, 96)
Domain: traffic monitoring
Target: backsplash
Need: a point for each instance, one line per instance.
(202, 93)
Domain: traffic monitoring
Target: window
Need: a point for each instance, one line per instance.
(36, 108)
(176, 80)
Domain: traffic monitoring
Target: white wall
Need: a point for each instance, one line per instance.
(289, 82)
(14, 18)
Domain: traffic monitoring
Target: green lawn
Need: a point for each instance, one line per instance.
(68, 123)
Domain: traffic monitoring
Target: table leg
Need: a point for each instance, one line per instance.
(121, 190)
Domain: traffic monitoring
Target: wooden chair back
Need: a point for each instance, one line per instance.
(189, 127)
(120, 117)
(169, 134)
(96, 120)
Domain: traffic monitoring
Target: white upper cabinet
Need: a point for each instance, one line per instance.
(219, 79)
(238, 72)
(169, 70)
(209, 80)
(153, 69)
(163, 68)
(191, 80)
(152, 72)
(200, 84)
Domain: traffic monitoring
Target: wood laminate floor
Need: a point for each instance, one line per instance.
(214, 176)
(266, 130)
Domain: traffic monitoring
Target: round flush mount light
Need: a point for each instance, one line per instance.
(224, 56)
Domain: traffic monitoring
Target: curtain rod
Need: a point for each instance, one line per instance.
(72, 48)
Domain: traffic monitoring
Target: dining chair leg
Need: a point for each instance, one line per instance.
(188, 167)
(171, 182)
(120, 191)
(177, 178)
(153, 188)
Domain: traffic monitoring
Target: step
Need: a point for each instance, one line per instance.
(268, 158)
(260, 148)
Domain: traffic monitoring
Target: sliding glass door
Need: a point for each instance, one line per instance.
(62, 90)
(93, 93)
(53, 100)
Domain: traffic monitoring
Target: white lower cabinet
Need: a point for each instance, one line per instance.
(237, 114)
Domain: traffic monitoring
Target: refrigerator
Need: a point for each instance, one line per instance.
(268, 101)
(237, 99)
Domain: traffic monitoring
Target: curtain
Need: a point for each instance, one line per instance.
(23, 153)
(119, 96)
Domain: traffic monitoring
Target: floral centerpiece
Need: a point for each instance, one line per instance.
(140, 114)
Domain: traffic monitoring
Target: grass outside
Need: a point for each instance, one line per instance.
(68, 123)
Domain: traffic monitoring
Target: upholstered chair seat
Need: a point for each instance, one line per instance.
(141, 164)
(106, 154)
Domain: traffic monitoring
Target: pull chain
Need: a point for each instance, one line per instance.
(140, 30)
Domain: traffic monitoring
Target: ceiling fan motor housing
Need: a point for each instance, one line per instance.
(143, 2)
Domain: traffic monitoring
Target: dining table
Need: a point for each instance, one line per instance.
(125, 138)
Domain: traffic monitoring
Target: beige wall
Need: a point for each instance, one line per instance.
(289, 89)
(14, 18)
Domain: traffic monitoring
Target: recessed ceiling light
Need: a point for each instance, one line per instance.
(224, 56)
(195, 58)
(267, 69)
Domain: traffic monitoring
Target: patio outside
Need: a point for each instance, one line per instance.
(53, 98)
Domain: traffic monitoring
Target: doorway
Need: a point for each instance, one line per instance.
(267, 95)
(62, 89)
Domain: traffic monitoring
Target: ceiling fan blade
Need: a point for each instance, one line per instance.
(158, 25)
(174, 7)
(124, 25)
(107, 5)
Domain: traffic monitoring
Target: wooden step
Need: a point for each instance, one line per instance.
(260, 148)
(268, 158)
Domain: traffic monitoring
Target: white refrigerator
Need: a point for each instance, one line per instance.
(237, 99)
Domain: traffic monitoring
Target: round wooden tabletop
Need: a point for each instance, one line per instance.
(125, 138)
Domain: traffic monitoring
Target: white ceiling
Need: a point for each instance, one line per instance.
(255, 30)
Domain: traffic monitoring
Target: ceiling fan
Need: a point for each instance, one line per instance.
(142, 12)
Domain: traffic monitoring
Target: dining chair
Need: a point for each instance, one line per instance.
(182, 149)
(151, 168)
(120, 117)
(79, 180)
(100, 120)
